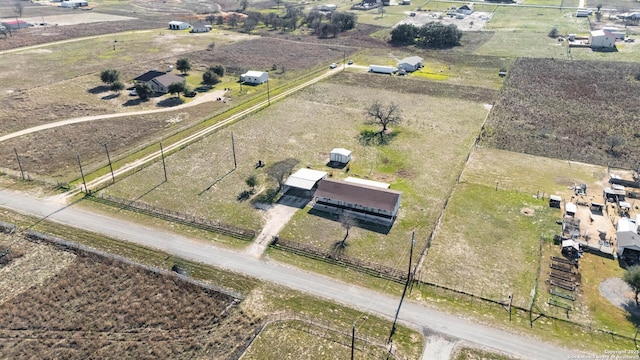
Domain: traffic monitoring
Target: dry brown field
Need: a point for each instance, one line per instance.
(73, 307)
(569, 110)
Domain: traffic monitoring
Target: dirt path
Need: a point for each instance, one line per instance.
(211, 96)
(437, 347)
(278, 216)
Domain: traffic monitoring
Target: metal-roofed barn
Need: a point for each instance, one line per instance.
(378, 184)
(340, 155)
(410, 64)
(304, 179)
(628, 239)
(253, 77)
(364, 202)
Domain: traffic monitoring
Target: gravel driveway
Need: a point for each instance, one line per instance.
(619, 294)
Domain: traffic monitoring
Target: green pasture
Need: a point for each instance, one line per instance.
(536, 20)
(512, 44)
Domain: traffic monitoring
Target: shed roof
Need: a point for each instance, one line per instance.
(254, 73)
(349, 192)
(570, 207)
(555, 198)
(305, 178)
(168, 79)
(149, 75)
(367, 182)
(570, 243)
(341, 151)
(627, 234)
(411, 60)
(176, 22)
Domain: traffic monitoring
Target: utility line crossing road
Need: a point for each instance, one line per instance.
(412, 313)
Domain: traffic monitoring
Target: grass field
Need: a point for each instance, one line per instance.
(274, 136)
(550, 108)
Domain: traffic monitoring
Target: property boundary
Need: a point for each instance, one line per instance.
(174, 216)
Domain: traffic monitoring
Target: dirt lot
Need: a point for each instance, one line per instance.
(97, 307)
(474, 22)
(564, 110)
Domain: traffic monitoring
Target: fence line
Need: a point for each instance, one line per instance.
(174, 216)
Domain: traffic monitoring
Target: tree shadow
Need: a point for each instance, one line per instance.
(170, 102)
(370, 137)
(134, 102)
(98, 89)
(110, 96)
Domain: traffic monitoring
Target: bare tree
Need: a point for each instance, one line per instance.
(614, 141)
(347, 221)
(384, 115)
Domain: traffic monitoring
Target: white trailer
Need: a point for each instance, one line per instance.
(381, 69)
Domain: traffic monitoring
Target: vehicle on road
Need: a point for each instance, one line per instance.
(350, 62)
(190, 94)
(333, 66)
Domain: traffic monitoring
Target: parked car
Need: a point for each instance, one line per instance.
(333, 66)
(350, 62)
(190, 94)
(133, 93)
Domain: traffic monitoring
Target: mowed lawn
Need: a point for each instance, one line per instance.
(488, 242)
(422, 160)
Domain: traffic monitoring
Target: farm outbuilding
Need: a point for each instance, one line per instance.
(254, 77)
(74, 4)
(15, 24)
(381, 69)
(161, 83)
(570, 209)
(627, 236)
(304, 179)
(411, 63)
(600, 39)
(364, 202)
(360, 181)
(201, 28)
(178, 25)
(554, 201)
(340, 155)
(465, 9)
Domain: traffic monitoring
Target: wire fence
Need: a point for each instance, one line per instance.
(174, 216)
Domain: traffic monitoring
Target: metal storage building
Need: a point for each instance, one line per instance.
(340, 155)
(254, 77)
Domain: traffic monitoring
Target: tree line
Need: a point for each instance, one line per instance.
(430, 35)
(322, 24)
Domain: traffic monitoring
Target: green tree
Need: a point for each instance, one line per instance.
(218, 70)
(632, 278)
(110, 76)
(144, 91)
(176, 88)
(243, 5)
(183, 65)
(437, 35)
(383, 115)
(210, 78)
(233, 20)
(252, 182)
(186, 90)
(404, 34)
(116, 86)
(553, 33)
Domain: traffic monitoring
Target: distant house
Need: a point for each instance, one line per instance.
(364, 202)
(148, 76)
(15, 24)
(161, 83)
(328, 7)
(618, 33)
(628, 239)
(200, 28)
(178, 25)
(465, 9)
(73, 4)
(254, 77)
(600, 39)
(410, 64)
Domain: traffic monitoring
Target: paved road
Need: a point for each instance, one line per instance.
(412, 313)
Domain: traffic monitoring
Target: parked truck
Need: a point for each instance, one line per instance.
(381, 69)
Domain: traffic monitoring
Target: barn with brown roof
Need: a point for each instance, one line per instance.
(369, 203)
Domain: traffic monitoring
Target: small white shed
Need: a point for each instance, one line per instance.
(254, 77)
(340, 155)
(178, 25)
(599, 39)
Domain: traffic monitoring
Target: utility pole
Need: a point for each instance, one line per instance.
(19, 164)
(344, 59)
(353, 339)
(268, 94)
(113, 178)
(233, 147)
(404, 292)
(86, 191)
(164, 164)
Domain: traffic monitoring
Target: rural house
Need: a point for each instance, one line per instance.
(178, 25)
(600, 39)
(628, 237)
(465, 9)
(410, 64)
(254, 77)
(148, 76)
(200, 28)
(161, 83)
(305, 180)
(364, 202)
